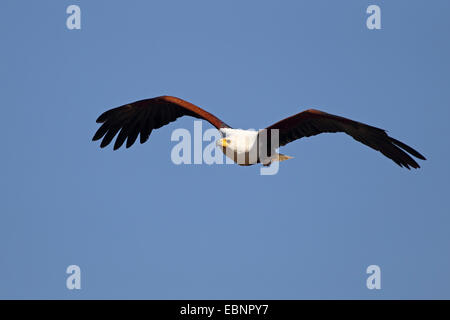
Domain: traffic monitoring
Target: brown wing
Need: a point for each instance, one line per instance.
(312, 122)
(141, 117)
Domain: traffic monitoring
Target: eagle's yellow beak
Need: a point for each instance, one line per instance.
(222, 143)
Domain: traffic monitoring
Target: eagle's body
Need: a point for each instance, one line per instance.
(248, 147)
(245, 147)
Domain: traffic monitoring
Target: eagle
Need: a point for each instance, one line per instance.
(244, 147)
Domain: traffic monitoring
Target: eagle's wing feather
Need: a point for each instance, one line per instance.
(312, 122)
(141, 117)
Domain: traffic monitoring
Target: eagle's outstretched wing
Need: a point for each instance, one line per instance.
(141, 117)
(312, 122)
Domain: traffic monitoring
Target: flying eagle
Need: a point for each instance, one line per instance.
(142, 117)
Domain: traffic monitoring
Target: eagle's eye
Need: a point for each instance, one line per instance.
(228, 141)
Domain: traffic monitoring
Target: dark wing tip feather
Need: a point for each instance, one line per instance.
(407, 148)
(98, 134)
(102, 118)
(389, 147)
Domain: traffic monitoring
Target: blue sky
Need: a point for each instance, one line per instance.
(141, 227)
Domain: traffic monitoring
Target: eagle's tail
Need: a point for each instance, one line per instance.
(278, 157)
(281, 157)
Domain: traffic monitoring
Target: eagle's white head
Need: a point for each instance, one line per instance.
(238, 140)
